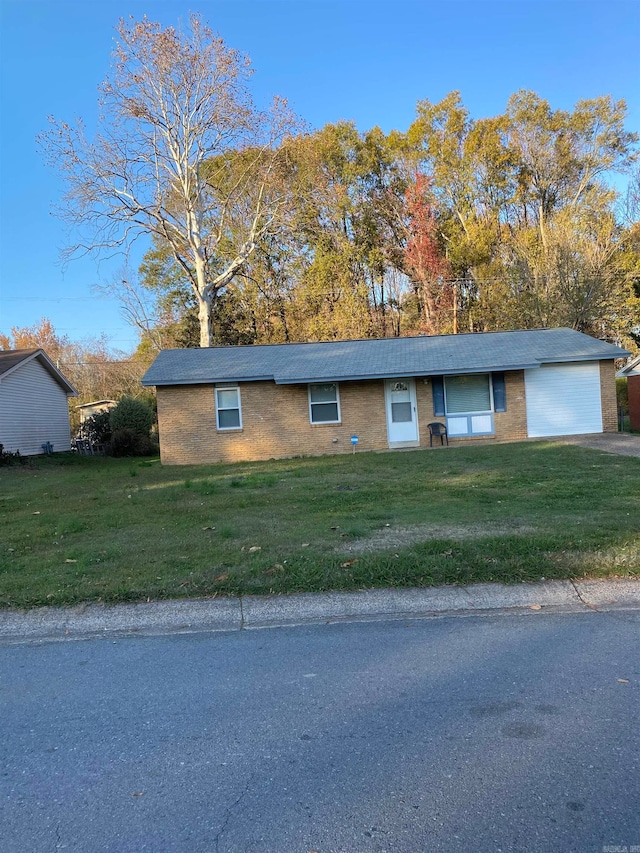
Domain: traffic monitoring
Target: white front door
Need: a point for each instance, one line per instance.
(402, 415)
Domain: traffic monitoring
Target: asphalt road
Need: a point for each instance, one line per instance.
(462, 733)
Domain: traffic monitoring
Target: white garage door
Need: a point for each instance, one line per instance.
(563, 399)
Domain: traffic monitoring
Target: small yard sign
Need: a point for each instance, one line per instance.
(354, 441)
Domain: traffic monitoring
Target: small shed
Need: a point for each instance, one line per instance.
(97, 407)
(631, 372)
(34, 408)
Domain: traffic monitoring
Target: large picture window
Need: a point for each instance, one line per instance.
(468, 393)
(324, 404)
(228, 411)
(468, 401)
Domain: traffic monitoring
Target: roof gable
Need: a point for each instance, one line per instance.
(336, 361)
(12, 360)
(632, 368)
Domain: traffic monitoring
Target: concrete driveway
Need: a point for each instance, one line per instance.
(622, 443)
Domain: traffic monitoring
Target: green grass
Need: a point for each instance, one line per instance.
(93, 529)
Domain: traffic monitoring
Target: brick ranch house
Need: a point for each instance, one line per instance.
(229, 404)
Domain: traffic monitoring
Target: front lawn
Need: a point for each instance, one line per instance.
(92, 529)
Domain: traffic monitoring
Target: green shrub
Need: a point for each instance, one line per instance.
(7, 457)
(126, 442)
(97, 428)
(132, 415)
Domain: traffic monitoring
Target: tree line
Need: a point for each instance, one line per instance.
(265, 231)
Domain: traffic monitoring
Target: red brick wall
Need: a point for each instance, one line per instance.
(633, 386)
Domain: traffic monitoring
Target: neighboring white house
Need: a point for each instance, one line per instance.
(34, 410)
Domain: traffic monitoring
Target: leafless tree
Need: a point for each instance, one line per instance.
(179, 147)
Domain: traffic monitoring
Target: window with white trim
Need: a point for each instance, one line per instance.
(228, 410)
(469, 404)
(324, 404)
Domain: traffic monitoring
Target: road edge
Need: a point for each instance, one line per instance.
(248, 612)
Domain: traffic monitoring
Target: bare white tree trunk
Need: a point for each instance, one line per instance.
(204, 318)
(181, 154)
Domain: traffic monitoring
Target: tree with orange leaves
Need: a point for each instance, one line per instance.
(425, 262)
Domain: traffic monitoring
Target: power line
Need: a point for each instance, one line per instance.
(50, 298)
(96, 363)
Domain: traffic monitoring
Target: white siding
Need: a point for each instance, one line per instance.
(33, 410)
(563, 399)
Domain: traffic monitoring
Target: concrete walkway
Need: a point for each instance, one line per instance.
(622, 443)
(235, 614)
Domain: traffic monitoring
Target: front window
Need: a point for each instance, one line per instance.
(468, 393)
(469, 405)
(324, 404)
(228, 412)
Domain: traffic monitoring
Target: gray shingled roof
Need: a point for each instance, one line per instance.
(12, 358)
(335, 361)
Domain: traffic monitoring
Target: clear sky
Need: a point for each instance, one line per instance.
(365, 60)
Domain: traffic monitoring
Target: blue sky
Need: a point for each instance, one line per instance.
(341, 59)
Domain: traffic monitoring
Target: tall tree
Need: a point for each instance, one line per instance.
(426, 261)
(526, 208)
(41, 335)
(559, 156)
(179, 146)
